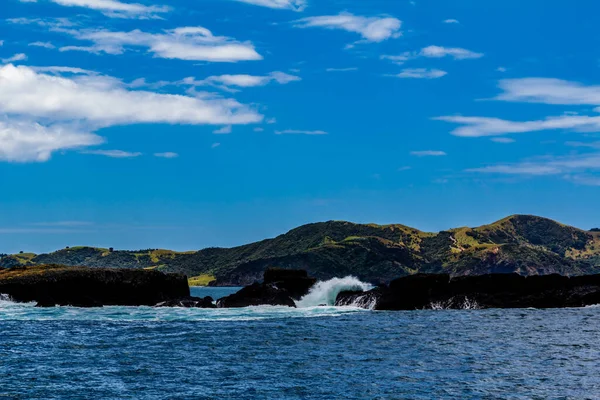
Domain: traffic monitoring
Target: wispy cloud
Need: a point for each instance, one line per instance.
(456, 53)
(428, 153)
(58, 70)
(186, 43)
(113, 153)
(46, 45)
(15, 58)
(299, 132)
(168, 154)
(591, 145)
(341, 69)
(224, 130)
(215, 145)
(295, 5)
(548, 91)
(63, 223)
(484, 126)
(371, 29)
(243, 81)
(421, 73)
(451, 21)
(581, 168)
(503, 140)
(113, 8)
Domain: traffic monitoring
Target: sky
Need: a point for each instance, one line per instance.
(184, 124)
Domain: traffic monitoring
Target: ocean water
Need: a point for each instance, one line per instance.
(305, 353)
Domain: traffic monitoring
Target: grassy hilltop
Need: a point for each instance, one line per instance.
(524, 244)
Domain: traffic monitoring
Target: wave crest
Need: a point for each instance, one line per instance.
(325, 292)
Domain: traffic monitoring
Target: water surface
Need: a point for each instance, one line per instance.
(306, 353)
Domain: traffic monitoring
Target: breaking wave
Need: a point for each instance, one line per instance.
(325, 292)
(455, 304)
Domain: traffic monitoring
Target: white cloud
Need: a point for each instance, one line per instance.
(244, 81)
(299, 132)
(372, 29)
(186, 43)
(271, 121)
(103, 101)
(483, 126)
(259, 129)
(168, 154)
(215, 145)
(548, 91)
(114, 8)
(341, 69)
(66, 110)
(501, 69)
(113, 153)
(428, 153)
(16, 57)
(503, 140)
(23, 141)
(296, 5)
(421, 73)
(454, 52)
(46, 45)
(224, 130)
(1, 43)
(451, 21)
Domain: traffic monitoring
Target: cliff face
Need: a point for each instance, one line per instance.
(522, 244)
(89, 287)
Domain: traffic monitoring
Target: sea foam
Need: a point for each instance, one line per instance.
(325, 292)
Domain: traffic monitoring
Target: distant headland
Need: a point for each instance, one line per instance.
(522, 244)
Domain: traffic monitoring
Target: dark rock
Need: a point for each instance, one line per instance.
(295, 281)
(46, 303)
(189, 302)
(484, 291)
(87, 287)
(257, 294)
(358, 298)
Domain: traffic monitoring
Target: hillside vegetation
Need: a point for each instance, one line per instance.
(524, 244)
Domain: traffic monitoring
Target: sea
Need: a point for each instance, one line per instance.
(315, 351)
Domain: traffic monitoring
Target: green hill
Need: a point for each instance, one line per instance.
(524, 244)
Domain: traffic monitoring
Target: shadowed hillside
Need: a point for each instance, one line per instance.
(524, 244)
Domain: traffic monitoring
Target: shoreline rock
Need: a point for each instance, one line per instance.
(54, 285)
(424, 291)
(279, 288)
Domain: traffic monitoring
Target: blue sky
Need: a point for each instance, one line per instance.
(194, 123)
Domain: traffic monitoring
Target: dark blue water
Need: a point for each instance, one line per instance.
(309, 353)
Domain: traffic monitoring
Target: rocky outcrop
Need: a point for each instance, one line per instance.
(91, 287)
(423, 291)
(295, 281)
(279, 288)
(257, 294)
